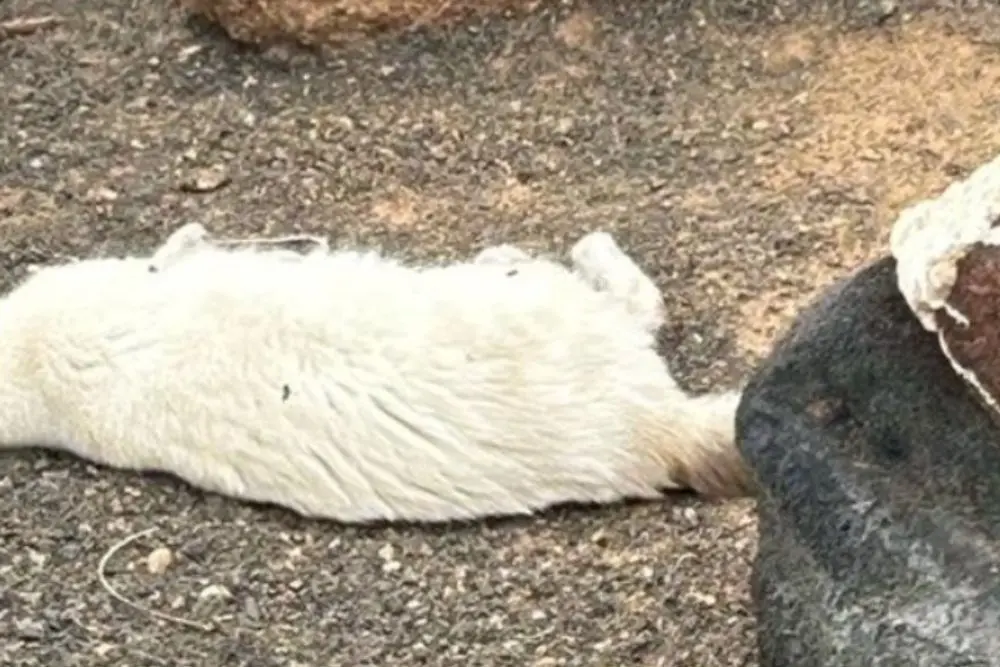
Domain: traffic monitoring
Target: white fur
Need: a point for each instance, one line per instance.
(349, 386)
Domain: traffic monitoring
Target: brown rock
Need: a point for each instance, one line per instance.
(313, 22)
(969, 328)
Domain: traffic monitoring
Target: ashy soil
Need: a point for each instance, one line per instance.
(744, 159)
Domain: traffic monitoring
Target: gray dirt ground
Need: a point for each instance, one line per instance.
(746, 163)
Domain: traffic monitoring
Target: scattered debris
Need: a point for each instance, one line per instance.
(11, 200)
(102, 568)
(388, 555)
(704, 599)
(687, 516)
(212, 599)
(252, 609)
(214, 592)
(23, 26)
(209, 179)
(100, 195)
(30, 630)
(578, 30)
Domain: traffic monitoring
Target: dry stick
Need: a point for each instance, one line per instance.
(26, 26)
(102, 577)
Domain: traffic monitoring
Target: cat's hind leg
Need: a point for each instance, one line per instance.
(601, 263)
(693, 437)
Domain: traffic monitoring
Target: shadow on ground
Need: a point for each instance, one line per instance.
(746, 163)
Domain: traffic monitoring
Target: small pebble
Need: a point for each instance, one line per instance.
(159, 560)
(30, 630)
(215, 591)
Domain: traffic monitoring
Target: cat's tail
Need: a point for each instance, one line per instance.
(693, 439)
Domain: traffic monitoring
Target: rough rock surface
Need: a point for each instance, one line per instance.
(969, 328)
(930, 237)
(949, 274)
(880, 491)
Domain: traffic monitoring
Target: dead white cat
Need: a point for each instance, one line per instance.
(348, 386)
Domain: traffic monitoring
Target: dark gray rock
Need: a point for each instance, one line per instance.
(880, 491)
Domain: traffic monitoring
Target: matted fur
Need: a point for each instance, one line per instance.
(348, 386)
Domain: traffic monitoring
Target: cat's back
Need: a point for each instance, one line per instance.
(363, 299)
(534, 322)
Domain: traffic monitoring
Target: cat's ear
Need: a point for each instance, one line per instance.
(189, 237)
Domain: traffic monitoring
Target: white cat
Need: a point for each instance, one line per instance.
(348, 386)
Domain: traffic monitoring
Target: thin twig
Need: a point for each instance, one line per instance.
(23, 26)
(102, 577)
